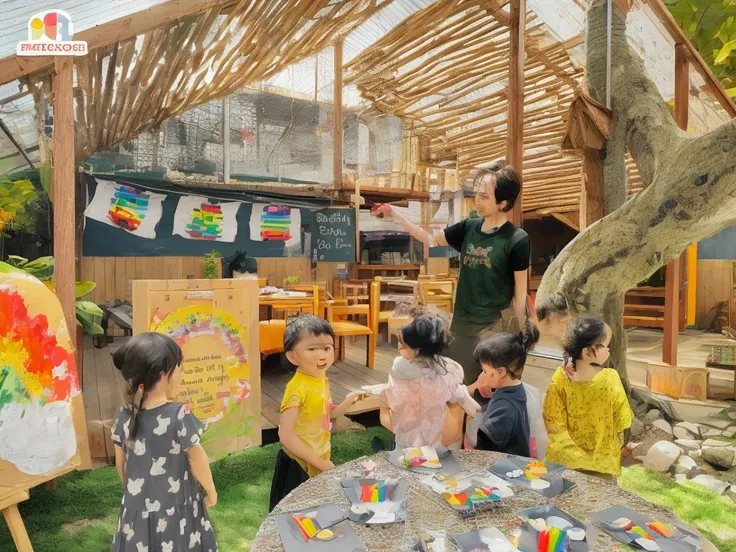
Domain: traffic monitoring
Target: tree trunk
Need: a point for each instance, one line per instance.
(689, 195)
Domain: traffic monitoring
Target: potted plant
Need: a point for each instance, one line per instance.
(212, 265)
(291, 280)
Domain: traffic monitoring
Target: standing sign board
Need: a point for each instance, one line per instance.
(215, 322)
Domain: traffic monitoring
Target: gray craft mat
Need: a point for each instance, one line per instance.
(449, 463)
(530, 536)
(482, 539)
(396, 505)
(675, 543)
(293, 541)
(558, 484)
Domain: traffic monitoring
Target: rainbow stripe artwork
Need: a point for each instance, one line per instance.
(126, 207)
(278, 223)
(198, 218)
(38, 378)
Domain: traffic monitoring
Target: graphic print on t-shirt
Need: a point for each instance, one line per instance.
(476, 257)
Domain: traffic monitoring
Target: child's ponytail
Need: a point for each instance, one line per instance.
(529, 336)
(585, 332)
(507, 350)
(143, 361)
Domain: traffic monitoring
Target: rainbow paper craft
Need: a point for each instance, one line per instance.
(205, 222)
(664, 529)
(553, 539)
(307, 524)
(134, 210)
(424, 457)
(377, 492)
(639, 532)
(471, 497)
(276, 223)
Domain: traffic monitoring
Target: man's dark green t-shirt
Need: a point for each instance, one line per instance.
(487, 265)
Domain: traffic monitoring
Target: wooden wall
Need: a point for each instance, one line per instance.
(115, 274)
(715, 283)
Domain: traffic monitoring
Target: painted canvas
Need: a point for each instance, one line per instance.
(132, 209)
(271, 222)
(38, 383)
(198, 218)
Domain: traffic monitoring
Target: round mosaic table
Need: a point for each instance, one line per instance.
(427, 511)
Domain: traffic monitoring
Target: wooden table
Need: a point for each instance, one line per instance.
(427, 511)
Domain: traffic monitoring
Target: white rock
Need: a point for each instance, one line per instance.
(722, 457)
(663, 425)
(730, 432)
(732, 415)
(695, 453)
(731, 492)
(713, 433)
(680, 477)
(650, 416)
(632, 446)
(715, 443)
(690, 444)
(661, 456)
(685, 465)
(690, 428)
(682, 433)
(710, 482)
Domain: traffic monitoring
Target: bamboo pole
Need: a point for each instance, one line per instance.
(63, 188)
(337, 125)
(672, 280)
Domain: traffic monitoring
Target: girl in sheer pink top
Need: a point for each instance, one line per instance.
(421, 384)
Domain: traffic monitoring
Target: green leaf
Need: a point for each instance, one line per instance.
(83, 288)
(16, 261)
(725, 52)
(88, 307)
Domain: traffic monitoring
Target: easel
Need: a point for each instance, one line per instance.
(9, 506)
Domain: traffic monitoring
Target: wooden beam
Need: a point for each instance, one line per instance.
(672, 282)
(692, 283)
(99, 36)
(591, 197)
(337, 120)
(677, 34)
(63, 188)
(515, 125)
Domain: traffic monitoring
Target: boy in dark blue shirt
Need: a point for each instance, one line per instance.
(504, 426)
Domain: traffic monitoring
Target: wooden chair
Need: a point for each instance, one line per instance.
(440, 293)
(410, 288)
(337, 316)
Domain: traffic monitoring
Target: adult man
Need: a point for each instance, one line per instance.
(494, 259)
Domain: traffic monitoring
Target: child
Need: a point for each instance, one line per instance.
(504, 426)
(158, 455)
(421, 384)
(306, 409)
(586, 409)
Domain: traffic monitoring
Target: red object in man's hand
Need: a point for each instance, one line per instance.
(380, 210)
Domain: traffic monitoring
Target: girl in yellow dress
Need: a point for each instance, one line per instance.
(586, 409)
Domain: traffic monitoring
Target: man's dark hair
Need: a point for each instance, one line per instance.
(507, 186)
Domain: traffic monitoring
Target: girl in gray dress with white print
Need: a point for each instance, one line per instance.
(158, 456)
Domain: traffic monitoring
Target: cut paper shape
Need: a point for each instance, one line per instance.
(535, 469)
(664, 529)
(622, 523)
(307, 524)
(198, 218)
(539, 484)
(646, 544)
(132, 209)
(38, 382)
(272, 222)
(425, 457)
(576, 534)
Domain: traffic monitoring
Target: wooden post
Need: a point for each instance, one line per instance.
(672, 282)
(692, 283)
(337, 122)
(515, 125)
(63, 187)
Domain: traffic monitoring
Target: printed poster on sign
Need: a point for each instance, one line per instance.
(272, 222)
(136, 211)
(51, 33)
(198, 218)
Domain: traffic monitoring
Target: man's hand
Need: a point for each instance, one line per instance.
(381, 209)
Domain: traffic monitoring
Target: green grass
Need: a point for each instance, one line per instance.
(714, 516)
(82, 513)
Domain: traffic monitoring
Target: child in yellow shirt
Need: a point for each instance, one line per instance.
(306, 409)
(586, 409)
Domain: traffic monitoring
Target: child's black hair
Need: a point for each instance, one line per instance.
(427, 335)
(143, 361)
(507, 187)
(507, 350)
(585, 332)
(304, 325)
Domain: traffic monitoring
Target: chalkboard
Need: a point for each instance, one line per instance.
(333, 236)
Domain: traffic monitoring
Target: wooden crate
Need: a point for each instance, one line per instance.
(678, 382)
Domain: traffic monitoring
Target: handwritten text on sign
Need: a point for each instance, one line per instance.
(335, 236)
